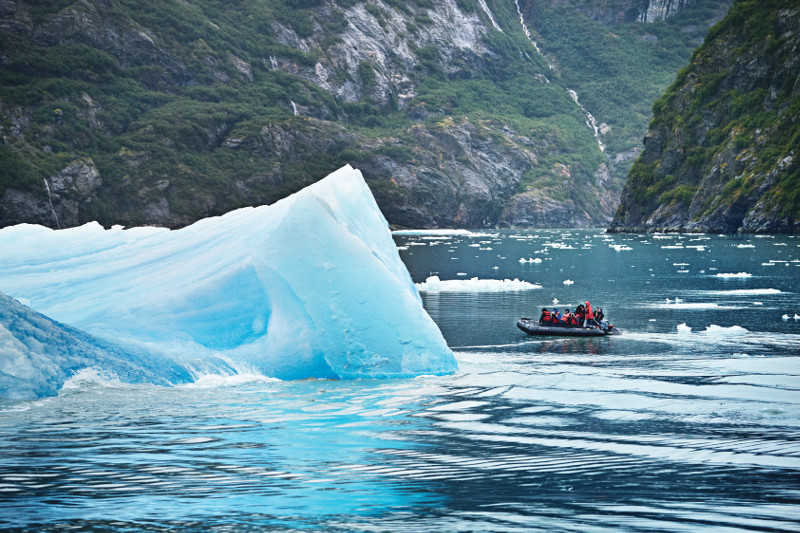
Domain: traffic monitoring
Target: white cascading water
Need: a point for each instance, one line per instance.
(590, 120)
(489, 14)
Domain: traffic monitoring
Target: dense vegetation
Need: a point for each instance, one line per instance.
(724, 137)
(619, 68)
(195, 108)
(155, 105)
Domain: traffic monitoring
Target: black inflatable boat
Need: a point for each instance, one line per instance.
(532, 327)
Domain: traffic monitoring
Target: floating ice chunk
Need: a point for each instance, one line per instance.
(690, 305)
(733, 275)
(311, 286)
(796, 316)
(745, 292)
(745, 246)
(722, 331)
(434, 232)
(683, 329)
(620, 247)
(555, 301)
(786, 317)
(568, 282)
(434, 284)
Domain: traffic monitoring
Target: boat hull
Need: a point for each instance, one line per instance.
(532, 327)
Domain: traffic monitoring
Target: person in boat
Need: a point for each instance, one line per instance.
(556, 316)
(580, 314)
(545, 317)
(590, 322)
(599, 315)
(569, 319)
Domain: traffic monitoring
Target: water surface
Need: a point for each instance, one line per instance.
(659, 429)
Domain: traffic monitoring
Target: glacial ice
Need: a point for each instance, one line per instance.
(309, 287)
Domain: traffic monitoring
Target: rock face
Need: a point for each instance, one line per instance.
(174, 111)
(721, 152)
(619, 11)
(58, 202)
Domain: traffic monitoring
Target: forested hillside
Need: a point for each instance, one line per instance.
(721, 152)
(153, 112)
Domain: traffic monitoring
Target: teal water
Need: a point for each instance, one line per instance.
(659, 429)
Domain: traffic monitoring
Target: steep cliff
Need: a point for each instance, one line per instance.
(148, 112)
(721, 152)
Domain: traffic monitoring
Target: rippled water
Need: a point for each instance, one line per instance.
(654, 430)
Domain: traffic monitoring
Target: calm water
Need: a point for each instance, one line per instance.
(659, 429)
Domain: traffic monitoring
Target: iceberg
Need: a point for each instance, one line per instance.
(37, 355)
(309, 287)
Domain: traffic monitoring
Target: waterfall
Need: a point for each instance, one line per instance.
(529, 36)
(489, 13)
(590, 120)
(294, 108)
(50, 201)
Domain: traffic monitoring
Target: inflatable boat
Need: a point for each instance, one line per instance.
(533, 327)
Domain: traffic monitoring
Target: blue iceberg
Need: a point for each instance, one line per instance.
(309, 287)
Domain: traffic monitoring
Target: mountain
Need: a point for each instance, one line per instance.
(721, 151)
(162, 113)
(619, 56)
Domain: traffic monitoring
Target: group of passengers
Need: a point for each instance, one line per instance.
(584, 316)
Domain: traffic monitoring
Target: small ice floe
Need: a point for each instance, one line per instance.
(786, 317)
(722, 331)
(620, 247)
(758, 303)
(733, 275)
(555, 301)
(683, 329)
(530, 260)
(652, 320)
(568, 282)
(796, 316)
(677, 301)
(435, 284)
(672, 247)
(745, 246)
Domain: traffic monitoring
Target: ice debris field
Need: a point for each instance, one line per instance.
(309, 287)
